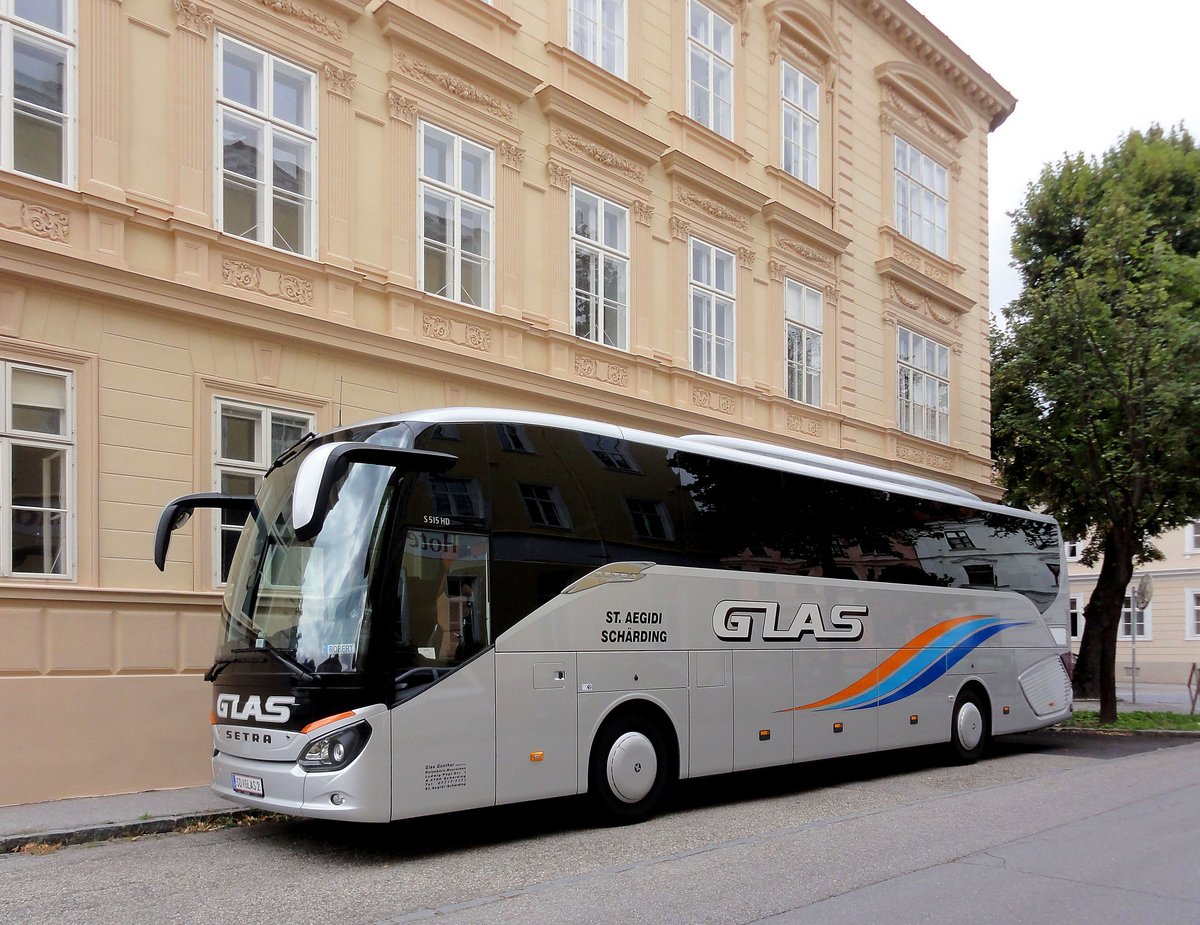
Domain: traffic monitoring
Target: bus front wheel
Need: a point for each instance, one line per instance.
(630, 772)
(969, 726)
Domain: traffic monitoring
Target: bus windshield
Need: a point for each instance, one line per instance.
(307, 600)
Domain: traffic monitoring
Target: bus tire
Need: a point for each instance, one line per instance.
(970, 726)
(630, 770)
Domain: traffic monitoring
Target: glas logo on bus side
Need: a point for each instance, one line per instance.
(734, 621)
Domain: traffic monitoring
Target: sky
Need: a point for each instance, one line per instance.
(1083, 72)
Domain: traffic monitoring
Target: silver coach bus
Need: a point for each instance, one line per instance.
(465, 607)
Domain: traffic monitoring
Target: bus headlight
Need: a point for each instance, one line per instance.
(334, 751)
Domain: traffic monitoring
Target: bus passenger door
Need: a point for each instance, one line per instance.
(537, 725)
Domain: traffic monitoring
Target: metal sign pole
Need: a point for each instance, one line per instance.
(1133, 645)
(1141, 600)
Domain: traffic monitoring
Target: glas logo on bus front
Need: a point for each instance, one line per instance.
(734, 621)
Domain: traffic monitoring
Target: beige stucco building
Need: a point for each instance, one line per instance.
(1168, 632)
(225, 222)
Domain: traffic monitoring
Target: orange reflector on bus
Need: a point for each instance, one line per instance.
(913, 720)
(764, 735)
(317, 724)
(537, 756)
(212, 717)
(838, 727)
(1007, 710)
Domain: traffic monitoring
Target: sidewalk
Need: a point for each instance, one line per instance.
(1170, 698)
(85, 819)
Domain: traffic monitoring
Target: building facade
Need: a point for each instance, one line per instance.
(1168, 631)
(225, 223)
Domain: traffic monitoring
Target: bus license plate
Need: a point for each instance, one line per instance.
(251, 786)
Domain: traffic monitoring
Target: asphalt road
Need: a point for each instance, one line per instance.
(1050, 827)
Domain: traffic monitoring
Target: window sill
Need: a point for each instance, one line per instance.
(703, 135)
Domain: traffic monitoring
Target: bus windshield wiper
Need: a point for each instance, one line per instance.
(282, 657)
(290, 453)
(217, 667)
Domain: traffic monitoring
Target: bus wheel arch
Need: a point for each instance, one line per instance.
(970, 723)
(634, 739)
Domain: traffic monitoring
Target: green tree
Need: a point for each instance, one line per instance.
(1096, 372)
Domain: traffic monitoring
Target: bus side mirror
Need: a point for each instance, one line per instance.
(327, 463)
(178, 512)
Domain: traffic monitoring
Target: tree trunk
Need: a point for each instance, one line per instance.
(1096, 667)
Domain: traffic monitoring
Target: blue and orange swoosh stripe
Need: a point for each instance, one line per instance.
(915, 665)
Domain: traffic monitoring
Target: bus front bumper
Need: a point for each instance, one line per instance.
(360, 792)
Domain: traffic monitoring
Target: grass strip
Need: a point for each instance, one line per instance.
(1135, 720)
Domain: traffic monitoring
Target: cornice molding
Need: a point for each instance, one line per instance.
(599, 127)
(913, 32)
(782, 218)
(685, 169)
(430, 54)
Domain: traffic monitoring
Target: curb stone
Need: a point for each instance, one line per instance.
(111, 830)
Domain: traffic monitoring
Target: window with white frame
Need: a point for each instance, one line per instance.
(1075, 615)
(597, 31)
(1072, 548)
(1191, 601)
(37, 460)
(651, 520)
(712, 298)
(37, 108)
(710, 69)
(1143, 620)
(611, 452)
(600, 256)
(457, 211)
(544, 505)
(922, 198)
(804, 310)
(1192, 541)
(458, 498)
(923, 387)
(513, 438)
(800, 113)
(267, 130)
(248, 438)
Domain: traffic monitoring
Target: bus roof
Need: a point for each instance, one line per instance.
(753, 452)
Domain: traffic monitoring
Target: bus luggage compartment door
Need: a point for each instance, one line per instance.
(537, 730)
(762, 688)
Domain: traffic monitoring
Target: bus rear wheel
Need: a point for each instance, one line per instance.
(630, 769)
(970, 727)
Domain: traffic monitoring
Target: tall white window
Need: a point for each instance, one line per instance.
(800, 111)
(600, 256)
(804, 311)
(922, 198)
(598, 33)
(457, 209)
(1192, 540)
(923, 387)
(267, 130)
(247, 440)
(1191, 624)
(37, 88)
(713, 303)
(1072, 548)
(710, 69)
(1075, 616)
(37, 459)
(1143, 620)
